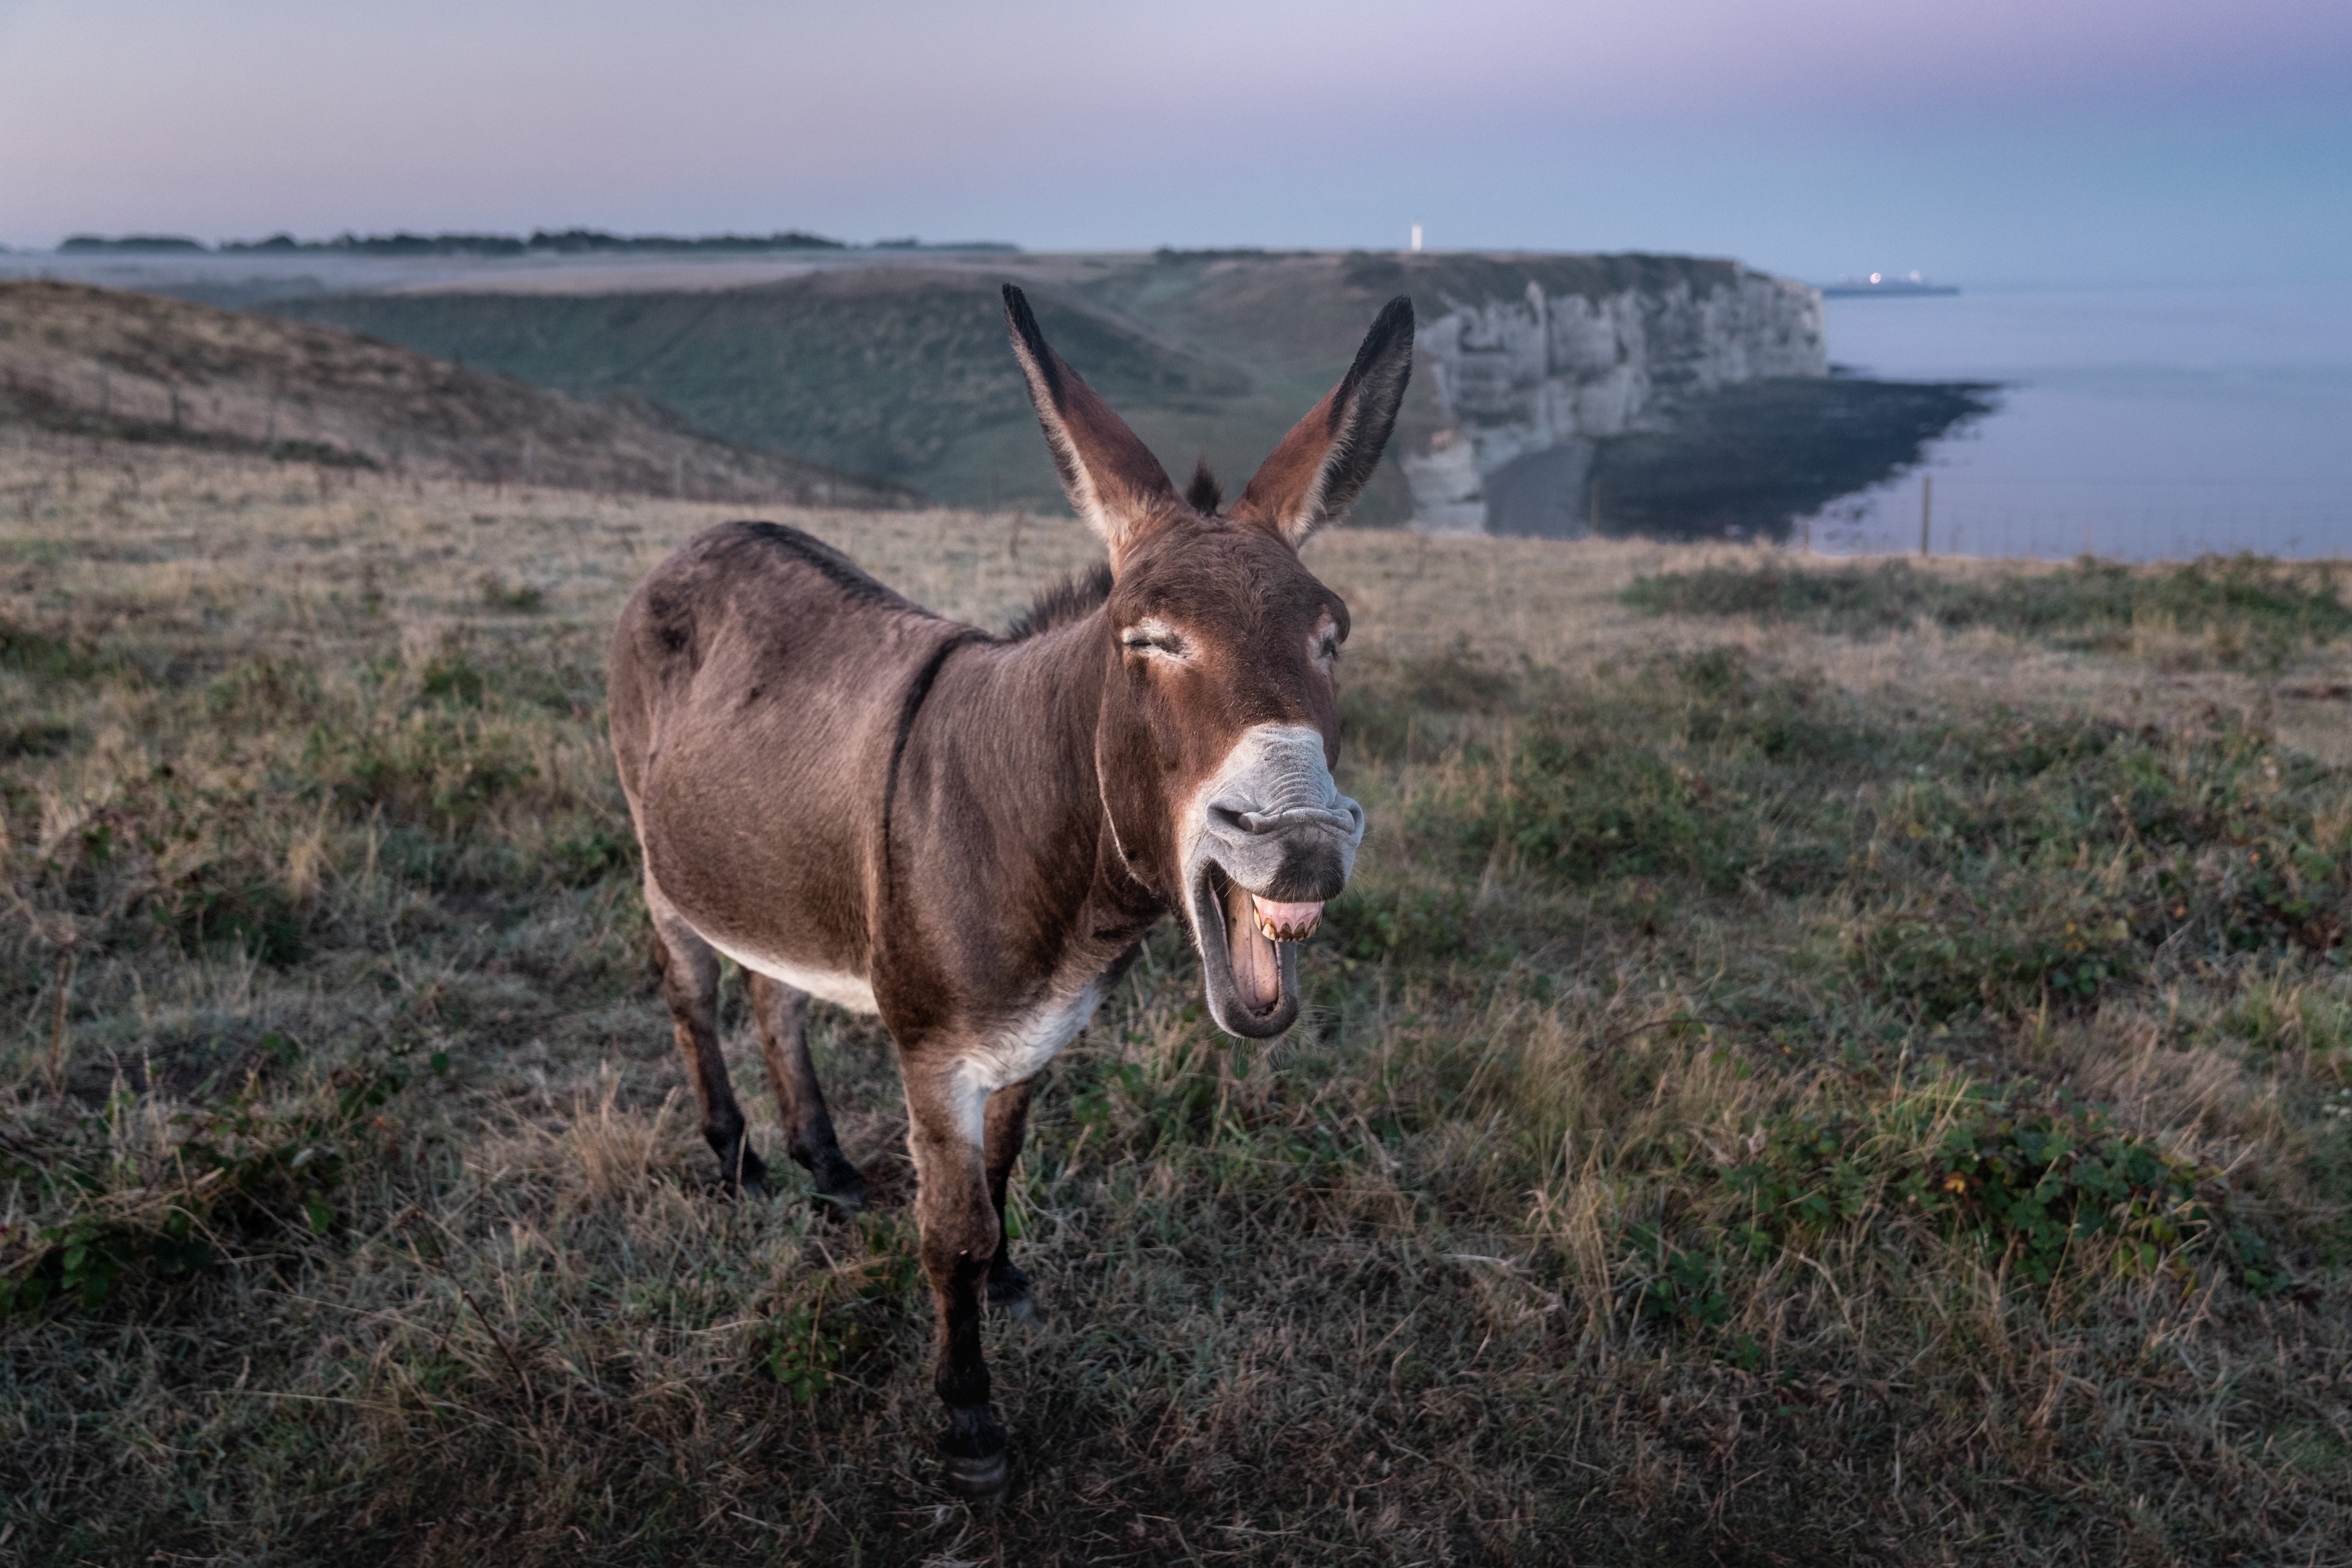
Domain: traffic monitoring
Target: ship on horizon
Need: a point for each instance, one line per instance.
(1884, 283)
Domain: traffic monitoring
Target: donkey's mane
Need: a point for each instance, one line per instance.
(1074, 598)
(1204, 494)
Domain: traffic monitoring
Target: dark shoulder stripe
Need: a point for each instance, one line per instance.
(917, 691)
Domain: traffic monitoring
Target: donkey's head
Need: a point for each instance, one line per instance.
(1220, 720)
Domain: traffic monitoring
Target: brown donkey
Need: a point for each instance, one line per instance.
(970, 835)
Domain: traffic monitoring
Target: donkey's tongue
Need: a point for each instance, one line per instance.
(1257, 964)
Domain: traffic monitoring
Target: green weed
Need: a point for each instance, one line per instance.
(127, 1207)
(42, 657)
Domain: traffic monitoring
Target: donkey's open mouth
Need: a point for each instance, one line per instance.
(1249, 952)
(1272, 819)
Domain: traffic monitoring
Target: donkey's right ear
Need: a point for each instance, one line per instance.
(1109, 474)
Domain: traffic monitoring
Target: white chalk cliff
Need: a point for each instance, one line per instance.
(1526, 383)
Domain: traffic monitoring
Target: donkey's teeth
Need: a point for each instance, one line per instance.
(1286, 923)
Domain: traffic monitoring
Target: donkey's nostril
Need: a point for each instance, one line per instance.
(1303, 816)
(1228, 818)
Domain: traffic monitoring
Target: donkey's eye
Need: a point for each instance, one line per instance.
(1151, 636)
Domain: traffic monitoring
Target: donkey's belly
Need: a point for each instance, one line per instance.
(849, 990)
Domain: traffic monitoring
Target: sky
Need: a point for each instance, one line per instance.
(2000, 142)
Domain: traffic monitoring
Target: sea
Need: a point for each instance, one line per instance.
(2134, 424)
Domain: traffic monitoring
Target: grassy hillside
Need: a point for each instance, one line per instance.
(105, 363)
(889, 372)
(1815, 1067)
(903, 371)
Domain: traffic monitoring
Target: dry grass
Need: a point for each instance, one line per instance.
(328, 1040)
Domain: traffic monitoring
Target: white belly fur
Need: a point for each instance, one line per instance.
(841, 990)
(1018, 1053)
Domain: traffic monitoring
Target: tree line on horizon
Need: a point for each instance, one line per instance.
(565, 242)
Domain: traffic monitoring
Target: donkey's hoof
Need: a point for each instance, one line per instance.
(744, 1179)
(1008, 1292)
(840, 1185)
(976, 1478)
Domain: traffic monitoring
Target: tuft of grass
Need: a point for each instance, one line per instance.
(522, 599)
(40, 656)
(133, 1197)
(2245, 609)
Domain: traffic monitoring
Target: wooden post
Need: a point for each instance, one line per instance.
(1927, 508)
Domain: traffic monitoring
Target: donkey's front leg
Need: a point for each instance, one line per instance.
(945, 1128)
(1008, 1119)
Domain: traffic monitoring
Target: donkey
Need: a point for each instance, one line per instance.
(860, 802)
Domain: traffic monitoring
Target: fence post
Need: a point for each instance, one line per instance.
(1927, 508)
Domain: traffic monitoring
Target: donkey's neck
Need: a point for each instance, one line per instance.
(1001, 764)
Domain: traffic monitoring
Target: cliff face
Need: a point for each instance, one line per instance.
(1526, 383)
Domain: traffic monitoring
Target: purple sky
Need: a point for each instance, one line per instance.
(1999, 141)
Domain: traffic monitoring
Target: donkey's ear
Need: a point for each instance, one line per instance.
(1111, 476)
(1330, 456)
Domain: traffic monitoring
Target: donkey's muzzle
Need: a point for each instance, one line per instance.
(1299, 854)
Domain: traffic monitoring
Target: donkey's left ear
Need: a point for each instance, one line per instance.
(1330, 456)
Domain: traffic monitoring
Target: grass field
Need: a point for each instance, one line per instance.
(1816, 1067)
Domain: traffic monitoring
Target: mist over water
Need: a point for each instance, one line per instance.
(2138, 424)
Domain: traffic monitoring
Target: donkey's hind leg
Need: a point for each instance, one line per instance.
(1007, 1121)
(690, 977)
(782, 1013)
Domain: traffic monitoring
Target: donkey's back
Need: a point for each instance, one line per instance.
(755, 685)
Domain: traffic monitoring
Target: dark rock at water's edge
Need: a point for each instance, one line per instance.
(1750, 460)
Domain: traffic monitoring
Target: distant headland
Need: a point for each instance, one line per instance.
(552, 242)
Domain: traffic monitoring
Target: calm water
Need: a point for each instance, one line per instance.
(2137, 423)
